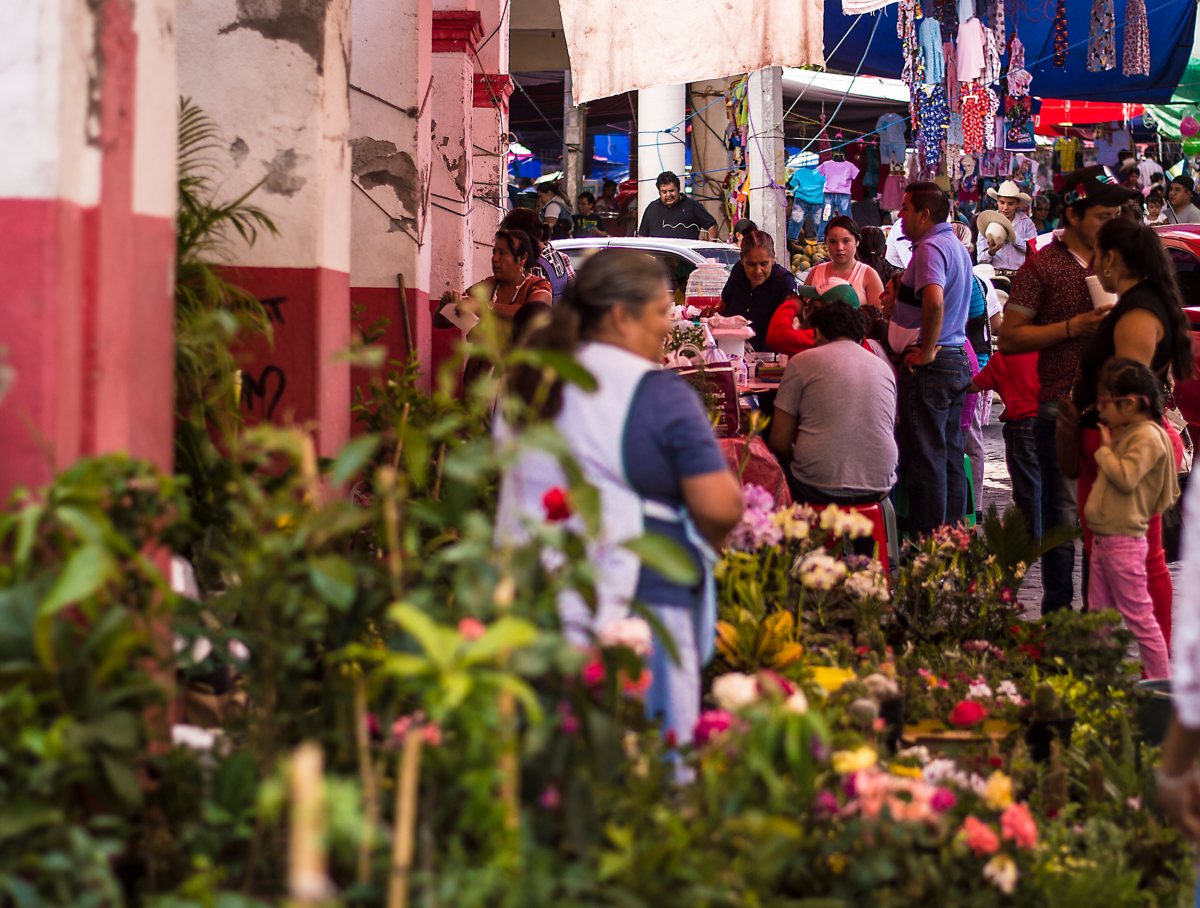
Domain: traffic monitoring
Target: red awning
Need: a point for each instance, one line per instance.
(1057, 112)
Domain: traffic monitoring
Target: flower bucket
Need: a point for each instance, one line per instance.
(1154, 710)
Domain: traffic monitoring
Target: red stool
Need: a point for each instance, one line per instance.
(878, 516)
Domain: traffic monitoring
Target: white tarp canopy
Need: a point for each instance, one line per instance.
(627, 45)
(814, 85)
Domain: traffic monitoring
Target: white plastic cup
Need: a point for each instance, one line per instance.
(1101, 298)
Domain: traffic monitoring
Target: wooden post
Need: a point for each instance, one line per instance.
(406, 819)
(308, 883)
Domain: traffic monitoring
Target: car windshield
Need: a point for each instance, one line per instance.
(726, 255)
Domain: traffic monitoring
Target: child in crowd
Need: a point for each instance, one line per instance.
(1136, 480)
(1015, 379)
(1154, 209)
(587, 222)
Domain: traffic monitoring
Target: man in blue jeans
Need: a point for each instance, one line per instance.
(933, 300)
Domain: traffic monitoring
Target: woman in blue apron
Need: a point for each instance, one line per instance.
(644, 440)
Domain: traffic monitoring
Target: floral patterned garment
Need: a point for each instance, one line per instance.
(1102, 45)
(1060, 34)
(1137, 40)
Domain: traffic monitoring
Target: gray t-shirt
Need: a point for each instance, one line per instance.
(1190, 214)
(844, 399)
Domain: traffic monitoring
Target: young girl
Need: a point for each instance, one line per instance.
(1136, 480)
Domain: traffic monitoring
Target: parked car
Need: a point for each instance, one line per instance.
(679, 256)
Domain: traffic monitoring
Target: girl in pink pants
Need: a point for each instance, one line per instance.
(1135, 480)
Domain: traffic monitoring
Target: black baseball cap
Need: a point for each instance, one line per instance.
(1096, 185)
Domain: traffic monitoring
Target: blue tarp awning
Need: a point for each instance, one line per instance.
(1172, 26)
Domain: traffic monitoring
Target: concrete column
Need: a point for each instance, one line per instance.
(274, 77)
(455, 36)
(660, 108)
(489, 131)
(391, 75)
(710, 157)
(87, 198)
(574, 137)
(765, 155)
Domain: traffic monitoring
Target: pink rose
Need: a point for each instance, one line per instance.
(979, 836)
(567, 719)
(431, 734)
(1018, 826)
(711, 724)
(593, 673)
(968, 713)
(471, 628)
(550, 798)
(943, 799)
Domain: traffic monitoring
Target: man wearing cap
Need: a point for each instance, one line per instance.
(934, 298)
(1181, 210)
(1050, 312)
(1004, 234)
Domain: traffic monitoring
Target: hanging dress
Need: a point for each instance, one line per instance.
(1102, 44)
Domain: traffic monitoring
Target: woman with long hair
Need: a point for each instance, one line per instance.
(512, 284)
(1147, 325)
(842, 241)
(643, 439)
(872, 251)
(551, 264)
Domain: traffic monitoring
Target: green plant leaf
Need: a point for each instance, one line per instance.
(524, 695)
(666, 556)
(334, 580)
(86, 571)
(506, 634)
(27, 524)
(352, 458)
(439, 643)
(24, 817)
(116, 731)
(122, 778)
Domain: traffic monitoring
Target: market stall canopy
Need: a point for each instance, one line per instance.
(1172, 26)
(618, 47)
(1055, 112)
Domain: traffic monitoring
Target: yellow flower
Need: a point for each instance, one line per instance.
(912, 772)
(283, 521)
(848, 761)
(837, 863)
(998, 793)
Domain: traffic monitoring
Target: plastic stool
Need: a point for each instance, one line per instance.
(880, 517)
(970, 515)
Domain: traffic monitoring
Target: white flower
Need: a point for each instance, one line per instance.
(201, 647)
(238, 651)
(193, 737)
(633, 633)
(867, 584)
(1001, 871)
(1007, 690)
(879, 686)
(919, 753)
(939, 770)
(979, 691)
(796, 703)
(735, 690)
(820, 571)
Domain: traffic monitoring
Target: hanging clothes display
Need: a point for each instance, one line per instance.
(1060, 33)
(952, 89)
(954, 132)
(1018, 124)
(1068, 149)
(995, 16)
(946, 12)
(1102, 44)
(979, 108)
(892, 193)
(935, 118)
(970, 58)
(931, 51)
(1019, 78)
(892, 140)
(966, 10)
(1137, 40)
(991, 58)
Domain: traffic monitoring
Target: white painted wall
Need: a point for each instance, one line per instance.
(765, 155)
(157, 101)
(453, 173)
(659, 108)
(51, 148)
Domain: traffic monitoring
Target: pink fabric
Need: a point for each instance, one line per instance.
(1118, 580)
(970, 51)
(838, 175)
(754, 463)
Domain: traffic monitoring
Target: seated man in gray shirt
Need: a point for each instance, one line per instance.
(835, 415)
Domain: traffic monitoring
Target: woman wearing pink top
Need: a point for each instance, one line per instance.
(842, 237)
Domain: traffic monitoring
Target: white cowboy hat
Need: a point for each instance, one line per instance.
(992, 222)
(985, 271)
(1009, 190)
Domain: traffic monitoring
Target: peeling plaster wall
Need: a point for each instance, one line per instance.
(273, 74)
(452, 184)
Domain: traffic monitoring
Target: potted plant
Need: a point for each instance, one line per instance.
(1045, 719)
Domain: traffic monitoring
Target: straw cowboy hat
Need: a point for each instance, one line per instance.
(992, 223)
(1009, 190)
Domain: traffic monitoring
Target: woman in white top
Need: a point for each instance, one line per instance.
(842, 237)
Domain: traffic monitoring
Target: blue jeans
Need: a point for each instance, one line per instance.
(931, 440)
(1058, 510)
(814, 211)
(1020, 453)
(836, 203)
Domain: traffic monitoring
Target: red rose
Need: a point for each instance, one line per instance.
(556, 505)
(1032, 650)
(968, 713)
